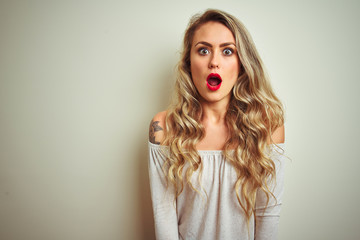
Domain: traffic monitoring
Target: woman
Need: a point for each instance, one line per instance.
(215, 161)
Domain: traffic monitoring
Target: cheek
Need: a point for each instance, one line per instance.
(196, 67)
(234, 69)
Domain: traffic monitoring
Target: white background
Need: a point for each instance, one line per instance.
(81, 80)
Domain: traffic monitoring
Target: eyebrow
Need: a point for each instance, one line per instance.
(221, 45)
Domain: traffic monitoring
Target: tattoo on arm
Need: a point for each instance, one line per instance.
(154, 127)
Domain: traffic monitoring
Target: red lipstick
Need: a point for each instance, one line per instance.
(213, 81)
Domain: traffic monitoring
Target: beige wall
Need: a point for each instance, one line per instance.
(80, 81)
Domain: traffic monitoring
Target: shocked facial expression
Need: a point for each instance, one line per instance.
(214, 62)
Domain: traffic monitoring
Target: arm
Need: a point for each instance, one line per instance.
(156, 128)
(267, 219)
(164, 206)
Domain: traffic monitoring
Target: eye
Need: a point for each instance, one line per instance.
(203, 51)
(228, 51)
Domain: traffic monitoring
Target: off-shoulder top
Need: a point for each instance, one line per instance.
(217, 215)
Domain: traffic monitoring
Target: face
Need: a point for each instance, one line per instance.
(214, 62)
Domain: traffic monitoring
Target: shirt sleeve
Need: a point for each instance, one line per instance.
(267, 218)
(164, 206)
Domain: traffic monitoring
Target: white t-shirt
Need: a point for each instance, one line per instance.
(218, 215)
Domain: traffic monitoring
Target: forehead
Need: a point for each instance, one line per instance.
(214, 33)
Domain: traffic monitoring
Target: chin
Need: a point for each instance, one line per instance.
(215, 98)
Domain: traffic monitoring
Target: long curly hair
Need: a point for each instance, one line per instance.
(254, 112)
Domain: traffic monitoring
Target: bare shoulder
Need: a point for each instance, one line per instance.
(156, 128)
(278, 135)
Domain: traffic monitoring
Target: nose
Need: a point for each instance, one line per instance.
(214, 61)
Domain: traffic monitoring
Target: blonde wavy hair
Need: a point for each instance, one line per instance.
(253, 114)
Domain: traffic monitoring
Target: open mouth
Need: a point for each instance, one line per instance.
(213, 81)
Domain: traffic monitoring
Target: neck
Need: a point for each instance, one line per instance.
(214, 112)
